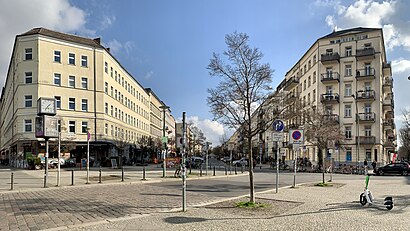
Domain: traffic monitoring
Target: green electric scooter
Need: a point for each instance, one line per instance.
(367, 197)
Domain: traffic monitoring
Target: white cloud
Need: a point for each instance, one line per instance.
(400, 66)
(107, 21)
(148, 75)
(116, 46)
(19, 16)
(212, 130)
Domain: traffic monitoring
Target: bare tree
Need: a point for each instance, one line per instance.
(243, 86)
(323, 131)
(404, 133)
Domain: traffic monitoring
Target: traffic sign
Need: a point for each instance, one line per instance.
(296, 136)
(277, 136)
(278, 125)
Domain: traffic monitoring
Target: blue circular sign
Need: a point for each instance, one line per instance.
(296, 135)
(278, 125)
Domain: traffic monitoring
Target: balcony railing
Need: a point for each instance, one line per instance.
(329, 98)
(365, 95)
(331, 117)
(291, 83)
(365, 73)
(330, 57)
(388, 103)
(366, 139)
(388, 124)
(291, 97)
(330, 77)
(365, 53)
(367, 117)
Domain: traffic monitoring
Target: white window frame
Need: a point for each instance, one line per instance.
(71, 81)
(348, 70)
(84, 82)
(348, 110)
(28, 52)
(84, 103)
(71, 59)
(28, 75)
(28, 99)
(348, 90)
(71, 124)
(84, 127)
(71, 101)
(106, 88)
(84, 61)
(348, 132)
(57, 56)
(106, 67)
(58, 101)
(57, 77)
(28, 122)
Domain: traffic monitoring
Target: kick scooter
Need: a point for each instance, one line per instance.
(367, 197)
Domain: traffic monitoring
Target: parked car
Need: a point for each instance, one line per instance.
(195, 162)
(226, 159)
(241, 162)
(401, 168)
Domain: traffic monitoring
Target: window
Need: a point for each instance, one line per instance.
(71, 58)
(71, 81)
(112, 110)
(84, 61)
(59, 125)
(348, 110)
(367, 45)
(112, 91)
(122, 80)
(28, 77)
(314, 77)
(309, 64)
(28, 125)
(84, 126)
(348, 70)
(367, 69)
(106, 67)
(28, 101)
(348, 132)
(28, 54)
(112, 130)
(314, 95)
(57, 56)
(314, 59)
(106, 129)
(84, 82)
(304, 84)
(57, 79)
(348, 90)
(329, 51)
(71, 126)
(71, 103)
(116, 75)
(111, 72)
(348, 51)
(329, 72)
(116, 112)
(116, 93)
(308, 99)
(84, 104)
(304, 69)
(368, 130)
(106, 88)
(309, 81)
(348, 154)
(58, 102)
(106, 108)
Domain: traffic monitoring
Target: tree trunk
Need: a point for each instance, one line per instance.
(251, 182)
(323, 166)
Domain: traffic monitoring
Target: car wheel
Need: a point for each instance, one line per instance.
(363, 199)
(405, 173)
(381, 172)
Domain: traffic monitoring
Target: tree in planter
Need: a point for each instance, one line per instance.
(244, 85)
(321, 130)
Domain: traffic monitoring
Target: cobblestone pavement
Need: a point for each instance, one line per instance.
(61, 207)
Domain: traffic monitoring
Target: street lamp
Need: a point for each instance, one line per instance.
(164, 141)
(357, 131)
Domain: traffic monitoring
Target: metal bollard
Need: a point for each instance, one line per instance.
(99, 177)
(200, 171)
(72, 177)
(226, 171)
(214, 170)
(12, 181)
(143, 173)
(122, 173)
(236, 173)
(242, 169)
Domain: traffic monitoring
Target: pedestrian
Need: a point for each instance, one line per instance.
(374, 165)
(177, 169)
(365, 167)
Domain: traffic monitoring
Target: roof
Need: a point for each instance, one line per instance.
(349, 31)
(64, 36)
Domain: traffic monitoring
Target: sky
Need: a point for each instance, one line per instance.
(167, 44)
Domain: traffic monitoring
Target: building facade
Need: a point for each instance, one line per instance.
(93, 92)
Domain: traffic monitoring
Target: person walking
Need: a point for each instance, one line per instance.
(374, 165)
(365, 166)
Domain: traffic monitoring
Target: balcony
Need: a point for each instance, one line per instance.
(331, 118)
(387, 69)
(291, 97)
(389, 144)
(330, 58)
(329, 98)
(388, 104)
(365, 74)
(388, 124)
(330, 77)
(367, 117)
(365, 95)
(366, 140)
(388, 84)
(366, 53)
(291, 83)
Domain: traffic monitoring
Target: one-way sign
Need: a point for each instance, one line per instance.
(278, 125)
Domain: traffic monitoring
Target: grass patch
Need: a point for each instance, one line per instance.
(321, 184)
(252, 205)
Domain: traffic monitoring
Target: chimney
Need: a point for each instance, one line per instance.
(98, 40)
(108, 49)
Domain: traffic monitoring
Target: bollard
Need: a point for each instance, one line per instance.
(214, 170)
(226, 171)
(12, 181)
(72, 177)
(242, 168)
(122, 173)
(99, 177)
(236, 173)
(143, 173)
(200, 170)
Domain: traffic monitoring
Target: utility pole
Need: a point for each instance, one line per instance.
(164, 139)
(88, 155)
(183, 163)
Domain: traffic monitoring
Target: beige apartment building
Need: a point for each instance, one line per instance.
(346, 73)
(93, 92)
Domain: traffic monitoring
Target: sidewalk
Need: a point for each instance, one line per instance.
(312, 208)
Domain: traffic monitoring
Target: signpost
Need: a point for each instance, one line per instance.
(296, 138)
(277, 137)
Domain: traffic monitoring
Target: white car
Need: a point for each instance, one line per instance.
(241, 162)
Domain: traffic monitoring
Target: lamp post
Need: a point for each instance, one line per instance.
(88, 155)
(206, 157)
(357, 131)
(164, 163)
